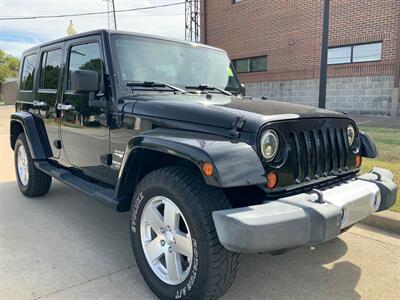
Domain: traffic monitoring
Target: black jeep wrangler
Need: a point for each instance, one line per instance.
(163, 128)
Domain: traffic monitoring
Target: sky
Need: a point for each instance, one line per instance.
(18, 35)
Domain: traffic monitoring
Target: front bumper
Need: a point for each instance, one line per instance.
(307, 218)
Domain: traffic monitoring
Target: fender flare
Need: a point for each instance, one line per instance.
(367, 147)
(33, 137)
(235, 163)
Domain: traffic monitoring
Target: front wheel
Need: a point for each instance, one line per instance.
(31, 181)
(174, 239)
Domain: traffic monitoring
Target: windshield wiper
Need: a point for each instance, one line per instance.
(154, 85)
(206, 87)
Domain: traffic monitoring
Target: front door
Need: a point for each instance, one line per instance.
(84, 132)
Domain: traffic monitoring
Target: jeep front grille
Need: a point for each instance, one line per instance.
(319, 153)
(316, 150)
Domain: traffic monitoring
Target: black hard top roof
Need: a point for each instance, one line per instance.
(109, 32)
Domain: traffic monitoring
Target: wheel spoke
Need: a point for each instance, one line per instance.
(153, 218)
(171, 215)
(174, 268)
(172, 242)
(22, 164)
(154, 249)
(183, 244)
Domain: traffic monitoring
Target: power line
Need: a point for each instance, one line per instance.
(91, 13)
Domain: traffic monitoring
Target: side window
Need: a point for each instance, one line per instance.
(28, 71)
(85, 57)
(50, 69)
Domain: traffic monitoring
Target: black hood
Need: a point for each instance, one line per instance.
(222, 111)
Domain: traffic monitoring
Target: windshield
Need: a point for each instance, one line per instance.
(147, 59)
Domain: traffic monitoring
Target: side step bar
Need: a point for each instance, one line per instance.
(101, 193)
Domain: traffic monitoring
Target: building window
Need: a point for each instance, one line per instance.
(28, 71)
(251, 64)
(355, 53)
(50, 69)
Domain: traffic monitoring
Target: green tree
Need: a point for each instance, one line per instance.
(8, 66)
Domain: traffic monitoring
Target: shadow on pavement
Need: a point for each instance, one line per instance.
(65, 240)
(304, 273)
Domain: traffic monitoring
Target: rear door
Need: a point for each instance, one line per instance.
(49, 92)
(84, 132)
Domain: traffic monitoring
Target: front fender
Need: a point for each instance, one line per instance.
(368, 147)
(30, 127)
(235, 163)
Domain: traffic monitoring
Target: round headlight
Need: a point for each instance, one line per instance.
(351, 134)
(269, 144)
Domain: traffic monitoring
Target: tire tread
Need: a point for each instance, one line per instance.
(39, 182)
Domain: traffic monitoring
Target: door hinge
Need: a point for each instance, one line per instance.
(106, 159)
(57, 144)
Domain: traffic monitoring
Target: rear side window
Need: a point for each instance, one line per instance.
(50, 69)
(28, 71)
(85, 57)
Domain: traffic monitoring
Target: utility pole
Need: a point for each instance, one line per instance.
(324, 57)
(395, 92)
(192, 20)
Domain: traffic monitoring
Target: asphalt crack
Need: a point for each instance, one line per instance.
(81, 283)
(374, 239)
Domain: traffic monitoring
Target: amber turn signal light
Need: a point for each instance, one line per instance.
(358, 161)
(272, 180)
(208, 169)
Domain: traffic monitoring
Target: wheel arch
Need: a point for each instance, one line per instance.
(35, 134)
(140, 163)
(146, 153)
(16, 129)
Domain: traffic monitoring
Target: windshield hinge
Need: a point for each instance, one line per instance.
(237, 125)
(106, 159)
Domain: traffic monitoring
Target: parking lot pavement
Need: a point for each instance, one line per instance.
(67, 246)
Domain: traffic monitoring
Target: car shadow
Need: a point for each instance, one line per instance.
(304, 273)
(72, 237)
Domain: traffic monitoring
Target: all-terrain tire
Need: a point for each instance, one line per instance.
(38, 183)
(214, 268)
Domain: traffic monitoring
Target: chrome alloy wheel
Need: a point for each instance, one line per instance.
(166, 240)
(22, 165)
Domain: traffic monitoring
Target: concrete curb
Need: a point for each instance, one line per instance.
(386, 220)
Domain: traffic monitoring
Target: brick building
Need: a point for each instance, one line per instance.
(276, 45)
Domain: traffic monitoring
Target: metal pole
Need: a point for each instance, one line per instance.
(396, 91)
(115, 18)
(324, 57)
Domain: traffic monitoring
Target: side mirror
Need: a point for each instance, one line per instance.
(85, 81)
(243, 89)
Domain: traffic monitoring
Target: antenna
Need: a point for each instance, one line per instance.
(111, 18)
(192, 20)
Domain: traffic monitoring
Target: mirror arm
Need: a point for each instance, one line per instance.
(99, 103)
(92, 96)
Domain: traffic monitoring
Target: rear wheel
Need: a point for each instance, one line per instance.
(174, 239)
(31, 181)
